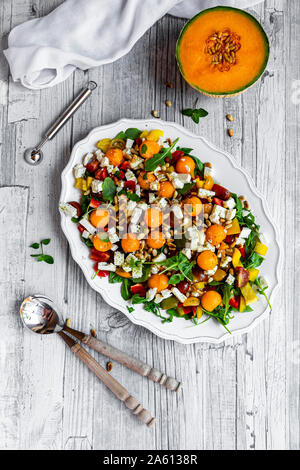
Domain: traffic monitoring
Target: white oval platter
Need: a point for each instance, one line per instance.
(229, 174)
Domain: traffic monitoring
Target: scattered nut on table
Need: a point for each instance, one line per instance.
(109, 366)
(229, 117)
(230, 132)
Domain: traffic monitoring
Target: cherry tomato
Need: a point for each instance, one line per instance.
(242, 250)
(125, 166)
(102, 272)
(80, 228)
(177, 154)
(218, 201)
(183, 286)
(101, 174)
(93, 166)
(138, 289)
(234, 301)
(101, 257)
(221, 192)
(130, 185)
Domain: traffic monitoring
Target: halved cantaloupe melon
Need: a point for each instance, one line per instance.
(222, 51)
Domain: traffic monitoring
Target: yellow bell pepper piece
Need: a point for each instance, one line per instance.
(199, 183)
(155, 134)
(199, 285)
(104, 144)
(242, 306)
(235, 228)
(144, 134)
(249, 294)
(199, 312)
(78, 183)
(83, 185)
(261, 249)
(236, 258)
(89, 181)
(253, 273)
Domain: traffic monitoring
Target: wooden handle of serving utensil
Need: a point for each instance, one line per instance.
(131, 362)
(118, 390)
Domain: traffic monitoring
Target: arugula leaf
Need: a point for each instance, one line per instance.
(199, 164)
(253, 261)
(176, 278)
(145, 275)
(195, 114)
(144, 149)
(108, 189)
(88, 242)
(186, 188)
(114, 278)
(85, 203)
(262, 290)
(125, 289)
(159, 158)
(238, 206)
(133, 197)
(226, 297)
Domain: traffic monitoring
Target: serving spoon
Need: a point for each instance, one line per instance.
(39, 316)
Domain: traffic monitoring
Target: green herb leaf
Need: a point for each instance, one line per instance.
(36, 256)
(159, 158)
(176, 278)
(132, 133)
(133, 197)
(125, 289)
(262, 290)
(254, 261)
(186, 188)
(108, 189)
(114, 278)
(195, 114)
(46, 241)
(144, 148)
(35, 246)
(121, 135)
(48, 259)
(130, 309)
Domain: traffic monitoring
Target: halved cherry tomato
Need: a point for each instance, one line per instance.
(77, 207)
(101, 272)
(229, 239)
(218, 201)
(221, 192)
(93, 166)
(183, 286)
(138, 141)
(122, 175)
(242, 250)
(242, 276)
(130, 185)
(80, 228)
(177, 154)
(234, 301)
(125, 166)
(101, 174)
(101, 257)
(94, 203)
(138, 289)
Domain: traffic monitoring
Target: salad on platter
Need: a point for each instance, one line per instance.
(156, 221)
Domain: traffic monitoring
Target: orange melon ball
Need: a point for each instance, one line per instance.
(101, 242)
(215, 234)
(153, 217)
(211, 300)
(99, 218)
(148, 148)
(145, 179)
(196, 204)
(185, 165)
(130, 243)
(166, 189)
(158, 281)
(115, 156)
(207, 260)
(155, 240)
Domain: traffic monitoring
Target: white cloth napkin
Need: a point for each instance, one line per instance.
(87, 33)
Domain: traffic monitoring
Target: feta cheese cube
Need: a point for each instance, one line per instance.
(68, 209)
(136, 215)
(230, 214)
(157, 170)
(159, 258)
(152, 197)
(217, 213)
(99, 154)
(129, 143)
(129, 175)
(240, 241)
(150, 294)
(166, 293)
(106, 266)
(229, 204)
(187, 252)
(138, 190)
(154, 186)
(137, 271)
(158, 298)
(85, 234)
(104, 162)
(205, 193)
(110, 168)
(177, 211)
(96, 186)
(87, 225)
(201, 236)
(79, 170)
(230, 279)
(113, 238)
(162, 202)
(87, 158)
(131, 205)
(225, 262)
(120, 186)
(209, 246)
(136, 162)
(114, 247)
(154, 269)
(211, 272)
(135, 228)
(245, 232)
(181, 297)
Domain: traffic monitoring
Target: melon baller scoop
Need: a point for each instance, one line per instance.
(34, 156)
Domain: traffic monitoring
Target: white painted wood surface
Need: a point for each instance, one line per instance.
(243, 394)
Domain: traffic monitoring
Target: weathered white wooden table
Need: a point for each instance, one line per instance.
(243, 394)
